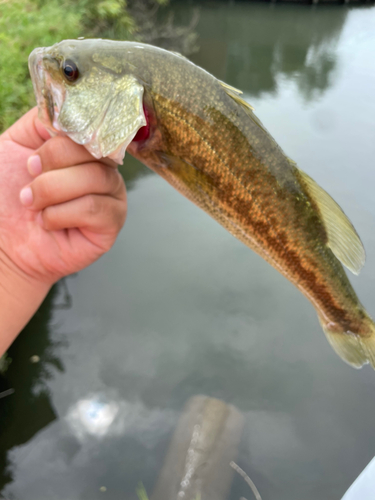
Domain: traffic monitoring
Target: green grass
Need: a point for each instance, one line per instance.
(24, 25)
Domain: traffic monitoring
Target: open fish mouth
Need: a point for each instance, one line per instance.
(100, 108)
(49, 95)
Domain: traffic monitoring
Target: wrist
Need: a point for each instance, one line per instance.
(20, 297)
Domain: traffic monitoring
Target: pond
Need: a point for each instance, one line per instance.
(180, 308)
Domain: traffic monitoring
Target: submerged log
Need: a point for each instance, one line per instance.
(206, 440)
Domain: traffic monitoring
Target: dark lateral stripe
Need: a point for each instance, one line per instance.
(248, 193)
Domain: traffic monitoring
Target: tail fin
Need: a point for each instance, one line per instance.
(356, 350)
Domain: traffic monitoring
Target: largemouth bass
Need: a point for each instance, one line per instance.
(205, 140)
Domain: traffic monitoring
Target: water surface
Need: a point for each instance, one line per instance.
(179, 307)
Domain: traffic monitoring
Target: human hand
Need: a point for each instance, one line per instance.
(71, 206)
(69, 213)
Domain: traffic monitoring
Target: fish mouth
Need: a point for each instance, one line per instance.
(48, 96)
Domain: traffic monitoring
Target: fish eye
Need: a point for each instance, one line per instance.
(70, 70)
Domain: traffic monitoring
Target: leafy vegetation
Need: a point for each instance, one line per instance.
(107, 19)
(26, 24)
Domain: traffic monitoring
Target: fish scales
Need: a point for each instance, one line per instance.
(207, 143)
(238, 199)
(245, 186)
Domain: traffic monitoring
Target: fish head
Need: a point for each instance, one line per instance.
(86, 89)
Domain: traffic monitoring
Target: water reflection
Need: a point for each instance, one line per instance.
(34, 360)
(179, 308)
(104, 414)
(262, 43)
(67, 457)
(92, 416)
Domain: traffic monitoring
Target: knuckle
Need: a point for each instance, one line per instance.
(117, 216)
(121, 191)
(105, 175)
(121, 217)
(93, 206)
(110, 178)
(43, 189)
(52, 151)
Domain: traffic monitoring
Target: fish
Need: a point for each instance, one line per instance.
(204, 139)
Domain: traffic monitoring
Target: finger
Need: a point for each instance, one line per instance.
(27, 131)
(59, 186)
(60, 152)
(96, 213)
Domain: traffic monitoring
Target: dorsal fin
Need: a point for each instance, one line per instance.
(343, 239)
(235, 94)
(178, 54)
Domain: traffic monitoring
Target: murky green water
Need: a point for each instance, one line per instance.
(179, 307)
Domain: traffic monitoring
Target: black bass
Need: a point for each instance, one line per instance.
(204, 139)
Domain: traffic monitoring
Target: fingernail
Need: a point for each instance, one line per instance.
(34, 165)
(26, 196)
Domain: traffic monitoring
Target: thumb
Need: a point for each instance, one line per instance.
(28, 131)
